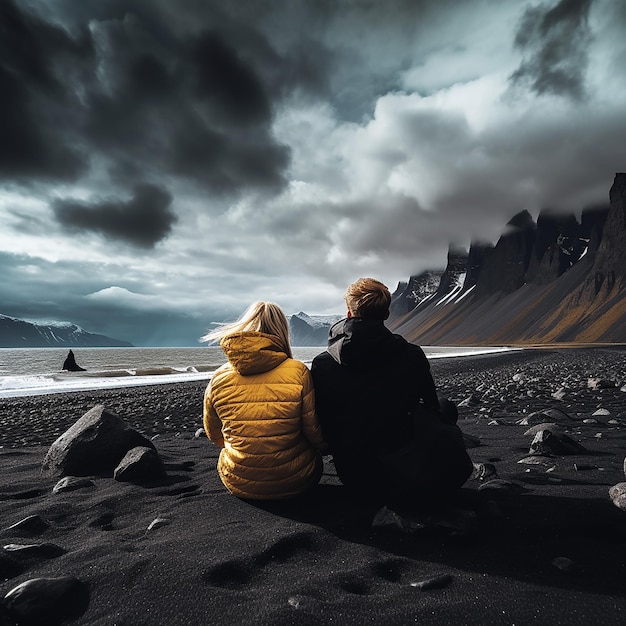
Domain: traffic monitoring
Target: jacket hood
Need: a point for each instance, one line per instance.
(352, 341)
(253, 353)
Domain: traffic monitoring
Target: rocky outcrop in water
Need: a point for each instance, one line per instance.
(70, 364)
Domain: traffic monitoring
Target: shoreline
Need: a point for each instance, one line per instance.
(177, 407)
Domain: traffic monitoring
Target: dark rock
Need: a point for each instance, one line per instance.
(140, 465)
(533, 419)
(553, 428)
(556, 414)
(47, 600)
(34, 550)
(70, 364)
(9, 566)
(471, 400)
(70, 483)
(548, 443)
(617, 493)
(484, 471)
(31, 525)
(498, 489)
(600, 383)
(565, 564)
(94, 445)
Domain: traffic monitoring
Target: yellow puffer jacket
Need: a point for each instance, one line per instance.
(260, 408)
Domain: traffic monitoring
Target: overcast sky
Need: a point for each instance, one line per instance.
(163, 164)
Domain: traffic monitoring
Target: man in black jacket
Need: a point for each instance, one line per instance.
(370, 385)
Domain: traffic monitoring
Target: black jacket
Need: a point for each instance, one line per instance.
(366, 383)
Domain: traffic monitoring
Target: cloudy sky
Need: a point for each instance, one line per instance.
(163, 164)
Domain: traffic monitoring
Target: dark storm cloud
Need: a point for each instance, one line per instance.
(222, 78)
(136, 96)
(555, 42)
(192, 108)
(36, 109)
(142, 221)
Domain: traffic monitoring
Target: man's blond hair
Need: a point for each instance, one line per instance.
(368, 298)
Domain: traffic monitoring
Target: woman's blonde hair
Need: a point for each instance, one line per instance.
(368, 298)
(261, 317)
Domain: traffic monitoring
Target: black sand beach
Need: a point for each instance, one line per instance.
(544, 544)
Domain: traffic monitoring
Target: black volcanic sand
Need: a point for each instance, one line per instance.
(550, 549)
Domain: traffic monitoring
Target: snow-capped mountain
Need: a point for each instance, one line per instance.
(17, 333)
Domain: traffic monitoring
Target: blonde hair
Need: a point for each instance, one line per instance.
(261, 317)
(368, 298)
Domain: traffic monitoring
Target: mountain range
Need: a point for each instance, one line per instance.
(310, 330)
(16, 333)
(556, 280)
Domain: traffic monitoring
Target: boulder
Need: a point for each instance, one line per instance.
(549, 443)
(140, 465)
(617, 493)
(47, 600)
(94, 445)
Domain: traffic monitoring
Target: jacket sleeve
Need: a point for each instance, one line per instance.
(310, 424)
(212, 422)
(425, 382)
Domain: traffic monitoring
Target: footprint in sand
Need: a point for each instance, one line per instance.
(236, 573)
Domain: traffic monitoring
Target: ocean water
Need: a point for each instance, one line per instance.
(35, 371)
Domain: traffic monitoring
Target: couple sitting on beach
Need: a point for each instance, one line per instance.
(369, 400)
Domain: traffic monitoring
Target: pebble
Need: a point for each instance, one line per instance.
(200, 433)
(435, 582)
(565, 564)
(37, 550)
(158, 522)
(70, 483)
(31, 525)
(601, 412)
(534, 460)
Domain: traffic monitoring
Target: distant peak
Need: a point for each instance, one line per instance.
(521, 220)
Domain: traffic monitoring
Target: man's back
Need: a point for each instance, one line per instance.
(365, 386)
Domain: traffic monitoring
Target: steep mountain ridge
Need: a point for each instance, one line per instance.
(556, 280)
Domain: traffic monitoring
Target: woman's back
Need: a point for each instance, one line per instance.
(260, 408)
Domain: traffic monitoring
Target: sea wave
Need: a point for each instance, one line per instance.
(109, 374)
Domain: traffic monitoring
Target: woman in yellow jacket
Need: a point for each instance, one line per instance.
(260, 408)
